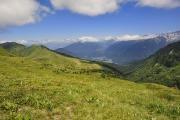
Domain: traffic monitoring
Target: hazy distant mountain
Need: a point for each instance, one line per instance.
(88, 50)
(121, 51)
(129, 51)
(85, 49)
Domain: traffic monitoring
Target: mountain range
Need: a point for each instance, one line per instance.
(121, 51)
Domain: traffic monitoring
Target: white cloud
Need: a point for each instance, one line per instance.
(88, 39)
(20, 12)
(88, 7)
(125, 37)
(3, 41)
(159, 3)
(128, 37)
(99, 7)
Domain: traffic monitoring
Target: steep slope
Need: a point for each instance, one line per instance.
(162, 67)
(45, 85)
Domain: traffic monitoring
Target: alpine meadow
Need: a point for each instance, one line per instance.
(89, 60)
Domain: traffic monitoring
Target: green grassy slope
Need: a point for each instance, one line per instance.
(162, 68)
(40, 84)
(3, 52)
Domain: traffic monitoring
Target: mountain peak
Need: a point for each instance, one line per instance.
(11, 44)
(172, 36)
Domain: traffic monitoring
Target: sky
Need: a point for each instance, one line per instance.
(60, 22)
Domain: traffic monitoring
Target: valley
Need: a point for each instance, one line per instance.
(119, 51)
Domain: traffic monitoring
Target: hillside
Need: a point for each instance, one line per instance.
(37, 83)
(3, 52)
(162, 67)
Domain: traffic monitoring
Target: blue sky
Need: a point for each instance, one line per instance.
(128, 18)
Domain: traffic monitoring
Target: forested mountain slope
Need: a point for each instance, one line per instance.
(162, 67)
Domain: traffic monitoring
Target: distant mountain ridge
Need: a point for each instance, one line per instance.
(130, 51)
(122, 52)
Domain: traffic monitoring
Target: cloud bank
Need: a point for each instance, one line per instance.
(126, 37)
(20, 12)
